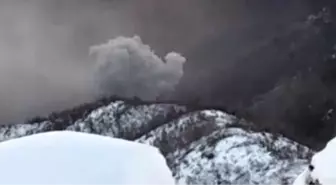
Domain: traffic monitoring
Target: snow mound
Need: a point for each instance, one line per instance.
(322, 167)
(127, 67)
(66, 157)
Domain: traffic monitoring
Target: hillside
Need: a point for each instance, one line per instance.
(200, 146)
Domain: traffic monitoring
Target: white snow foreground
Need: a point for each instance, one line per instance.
(66, 157)
(322, 168)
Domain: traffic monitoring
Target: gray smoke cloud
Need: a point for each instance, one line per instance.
(128, 68)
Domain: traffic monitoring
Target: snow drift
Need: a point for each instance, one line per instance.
(322, 167)
(126, 67)
(66, 157)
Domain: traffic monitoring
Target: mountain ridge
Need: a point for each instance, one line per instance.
(200, 146)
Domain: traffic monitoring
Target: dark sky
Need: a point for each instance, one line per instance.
(44, 64)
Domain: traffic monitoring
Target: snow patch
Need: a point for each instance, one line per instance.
(65, 157)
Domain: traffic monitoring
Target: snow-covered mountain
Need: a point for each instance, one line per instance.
(200, 146)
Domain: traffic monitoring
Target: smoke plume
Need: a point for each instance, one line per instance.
(126, 67)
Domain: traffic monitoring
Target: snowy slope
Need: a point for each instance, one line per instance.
(201, 146)
(227, 153)
(117, 119)
(65, 157)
